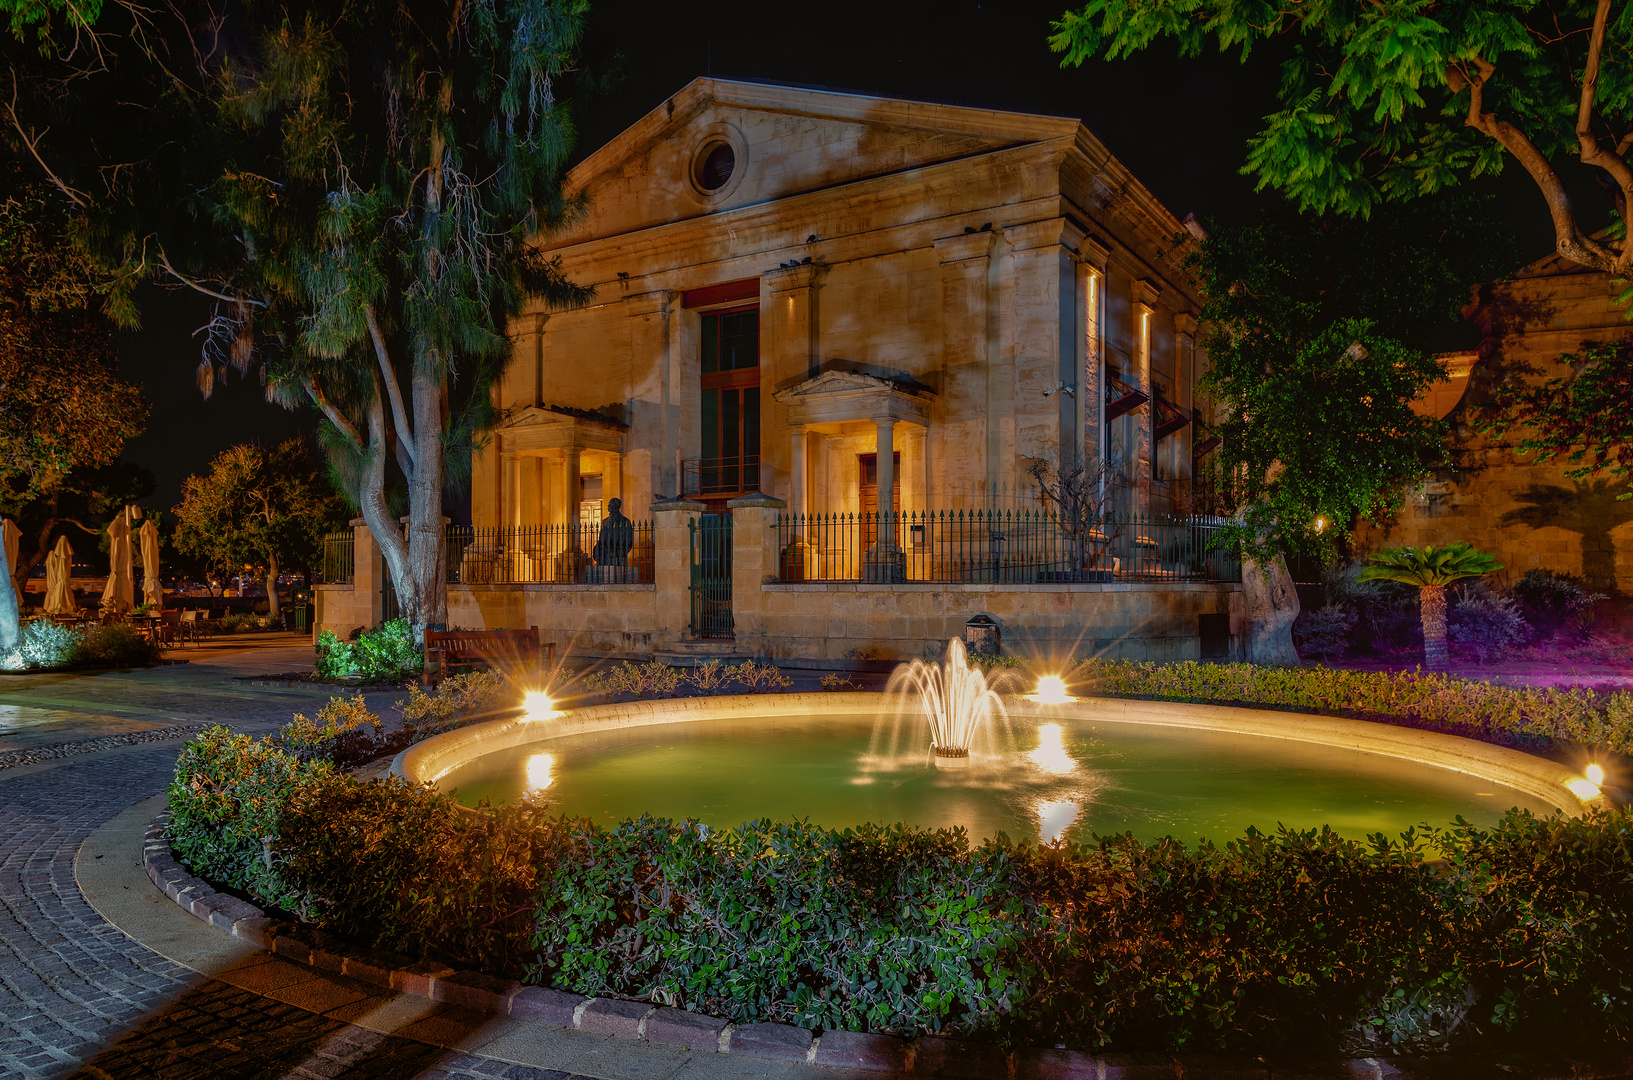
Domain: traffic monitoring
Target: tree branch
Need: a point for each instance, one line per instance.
(32, 141)
(336, 417)
(1568, 238)
(198, 286)
(394, 394)
(1592, 150)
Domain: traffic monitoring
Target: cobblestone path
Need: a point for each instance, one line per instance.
(78, 997)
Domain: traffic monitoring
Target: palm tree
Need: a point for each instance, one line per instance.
(1431, 569)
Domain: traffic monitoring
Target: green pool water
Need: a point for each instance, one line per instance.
(1058, 776)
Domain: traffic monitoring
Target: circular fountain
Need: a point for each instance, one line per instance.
(944, 749)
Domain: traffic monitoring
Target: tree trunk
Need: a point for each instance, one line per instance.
(425, 598)
(1432, 604)
(10, 617)
(1271, 604)
(272, 587)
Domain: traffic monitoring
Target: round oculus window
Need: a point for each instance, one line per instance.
(714, 165)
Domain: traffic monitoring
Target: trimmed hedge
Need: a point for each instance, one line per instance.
(1520, 716)
(1298, 940)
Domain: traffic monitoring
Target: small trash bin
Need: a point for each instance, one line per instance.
(981, 635)
(300, 618)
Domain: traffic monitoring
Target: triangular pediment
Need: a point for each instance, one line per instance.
(831, 383)
(784, 141)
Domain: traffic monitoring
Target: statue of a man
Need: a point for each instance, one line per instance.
(617, 537)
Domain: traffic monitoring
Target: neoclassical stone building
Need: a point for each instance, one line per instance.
(849, 303)
(819, 303)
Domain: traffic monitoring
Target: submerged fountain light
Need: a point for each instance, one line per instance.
(956, 699)
(538, 705)
(1051, 691)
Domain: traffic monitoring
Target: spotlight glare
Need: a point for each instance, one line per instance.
(1583, 789)
(1595, 775)
(537, 705)
(1052, 691)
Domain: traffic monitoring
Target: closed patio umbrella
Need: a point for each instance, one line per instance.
(119, 595)
(152, 591)
(13, 537)
(59, 571)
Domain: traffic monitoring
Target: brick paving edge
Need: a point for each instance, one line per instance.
(930, 1055)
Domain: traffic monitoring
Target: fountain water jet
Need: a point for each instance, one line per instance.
(955, 698)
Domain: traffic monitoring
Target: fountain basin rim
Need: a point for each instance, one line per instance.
(1540, 778)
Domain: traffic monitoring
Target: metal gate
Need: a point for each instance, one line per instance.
(711, 576)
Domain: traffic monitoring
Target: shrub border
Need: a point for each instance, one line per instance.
(928, 1055)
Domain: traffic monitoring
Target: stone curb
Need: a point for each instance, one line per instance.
(931, 1055)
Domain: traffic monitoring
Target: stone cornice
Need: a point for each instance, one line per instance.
(1185, 323)
(790, 278)
(1056, 232)
(964, 246)
(843, 396)
(649, 303)
(1146, 293)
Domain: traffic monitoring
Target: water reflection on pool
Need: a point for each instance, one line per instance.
(1062, 776)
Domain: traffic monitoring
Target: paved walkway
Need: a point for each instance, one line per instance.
(78, 997)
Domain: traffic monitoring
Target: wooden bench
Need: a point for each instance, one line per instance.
(515, 652)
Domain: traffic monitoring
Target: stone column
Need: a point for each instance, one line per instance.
(884, 446)
(1144, 308)
(672, 570)
(883, 561)
(1091, 380)
(652, 425)
(790, 352)
(1185, 397)
(755, 562)
(958, 447)
(1046, 342)
(797, 503)
(572, 559)
(368, 575)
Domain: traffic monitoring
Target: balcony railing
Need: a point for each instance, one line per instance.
(1020, 547)
(338, 558)
(716, 477)
(549, 554)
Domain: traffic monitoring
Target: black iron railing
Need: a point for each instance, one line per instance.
(550, 554)
(710, 541)
(339, 558)
(1021, 547)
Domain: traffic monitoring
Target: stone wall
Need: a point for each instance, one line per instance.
(833, 625)
(1529, 515)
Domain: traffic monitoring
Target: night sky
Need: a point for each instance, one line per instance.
(1180, 125)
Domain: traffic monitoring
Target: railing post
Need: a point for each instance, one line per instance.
(672, 569)
(755, 557)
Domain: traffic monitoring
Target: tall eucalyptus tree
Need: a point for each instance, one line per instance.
(354, 184)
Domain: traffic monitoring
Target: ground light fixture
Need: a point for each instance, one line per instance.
(538, 705)
(1595, 774)
(1051, 691)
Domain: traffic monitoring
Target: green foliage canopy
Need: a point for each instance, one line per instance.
(1429, 566)
(1305, 321)
(1386, 101)
(256, 506)
(62, 407)
(1586, 414)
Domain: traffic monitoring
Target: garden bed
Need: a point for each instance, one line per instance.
(1288, 943)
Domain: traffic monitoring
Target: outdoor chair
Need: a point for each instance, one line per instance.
(168, 629)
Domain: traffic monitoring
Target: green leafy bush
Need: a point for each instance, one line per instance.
(1324, 631)
(454, 698)
(1555, 604)
(115, 645)
(226, 804)
(1484, 624)
(342, 721)
(1509, 715)
(241, 622)
(385, 653)
(1291, 941)
(46, 644)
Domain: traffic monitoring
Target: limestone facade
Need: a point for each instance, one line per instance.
(1530, 515)
(960, 287)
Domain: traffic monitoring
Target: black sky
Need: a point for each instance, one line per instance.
(1181, 126)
